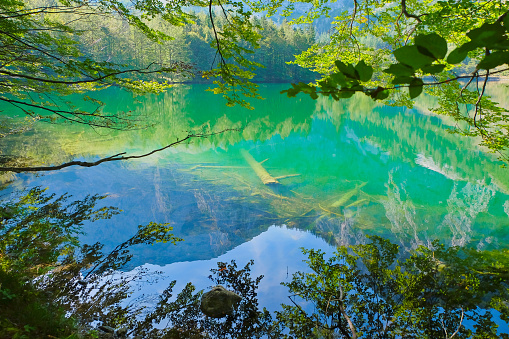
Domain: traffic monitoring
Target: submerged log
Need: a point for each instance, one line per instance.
(357, 202)
(347, 196)
(261, 172)
(286, 176)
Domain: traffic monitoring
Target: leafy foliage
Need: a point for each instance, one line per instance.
(418, 45)
(364, 291)
(42, 57)
(42, 264)
(52, 285)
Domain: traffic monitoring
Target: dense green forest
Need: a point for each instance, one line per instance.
(113, 40)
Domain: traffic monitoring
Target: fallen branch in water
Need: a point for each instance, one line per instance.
(116, 157)
(261, 172)
(286, 176)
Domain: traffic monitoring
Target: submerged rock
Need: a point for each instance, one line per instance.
(219, 302)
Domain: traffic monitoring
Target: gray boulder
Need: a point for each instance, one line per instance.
(219, 302)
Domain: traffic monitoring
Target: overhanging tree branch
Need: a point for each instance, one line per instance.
(116, 157)
(98, 79)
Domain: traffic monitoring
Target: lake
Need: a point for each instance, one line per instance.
(344, 170)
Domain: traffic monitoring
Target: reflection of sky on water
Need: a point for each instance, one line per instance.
(420, 182)
(276, 254)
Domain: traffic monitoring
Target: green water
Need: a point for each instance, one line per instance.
(345, 169)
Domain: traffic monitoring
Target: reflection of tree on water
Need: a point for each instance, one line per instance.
(51, 285)
(362, 291)
(334, 146)
(368, 291)
(463, 208)
(402, 215)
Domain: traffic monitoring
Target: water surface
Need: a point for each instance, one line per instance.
(345, 169)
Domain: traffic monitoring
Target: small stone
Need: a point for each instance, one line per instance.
(219, 302)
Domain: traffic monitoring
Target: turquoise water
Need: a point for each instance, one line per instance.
(345, 169)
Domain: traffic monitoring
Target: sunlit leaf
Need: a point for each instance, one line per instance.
(411, 56)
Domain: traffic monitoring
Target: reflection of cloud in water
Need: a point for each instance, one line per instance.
(506, 207)
(401, 213)
(446, 170)
(276, 254)
(463, 207)
(298, 235)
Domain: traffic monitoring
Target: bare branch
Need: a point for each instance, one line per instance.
(459, 325)
(354, 13)
(218, 45)
(343, 312)
(63, 114)
(408, 15)
(478, 107)
(116, 157)
(38, 10)
(76, 82)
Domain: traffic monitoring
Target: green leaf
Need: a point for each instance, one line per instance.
(337, 79)
(379, 93)
(433, 69)
(505, 22)
(400, 70)
(291, 92)
(433, 44)
(402, 80)
(487, 34)
(365, 71)
(305, 88)
(411, 56)
(493, 60)
(347, 69)
(345, 94)
(382, 95)
(415, 88)
(457, 56)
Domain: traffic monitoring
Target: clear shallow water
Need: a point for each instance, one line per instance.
(353, 167)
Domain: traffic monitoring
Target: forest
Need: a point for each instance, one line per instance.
(115, 41)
